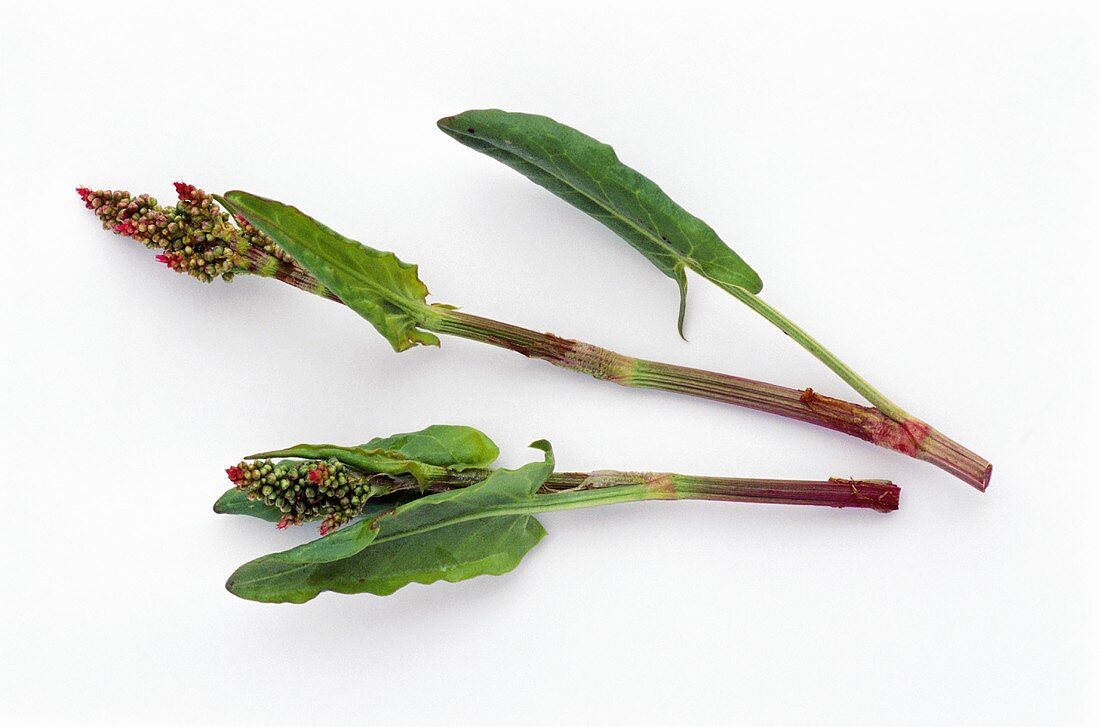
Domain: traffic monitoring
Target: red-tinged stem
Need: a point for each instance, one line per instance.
(269, 266)
(612, 487)
(911, 437)
(949, 455)
(880, 495)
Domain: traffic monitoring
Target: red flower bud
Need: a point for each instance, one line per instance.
(169, 259)
(184, 190)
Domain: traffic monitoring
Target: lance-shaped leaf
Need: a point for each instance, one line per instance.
(588, 174)
(375, 284)
(443, 445)
(454, 535)
(422, 454)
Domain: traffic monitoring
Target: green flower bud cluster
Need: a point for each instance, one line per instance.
(304, 490)
(196, 236)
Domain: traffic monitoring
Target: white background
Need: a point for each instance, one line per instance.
(916, 186)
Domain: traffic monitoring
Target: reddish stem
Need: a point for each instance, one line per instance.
(913, 438)
(880, 495)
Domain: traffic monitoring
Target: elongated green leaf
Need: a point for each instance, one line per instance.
(375, 284)
(588, 174)
(454, 535)
(444, 445)
(374, 461)
(421, 454)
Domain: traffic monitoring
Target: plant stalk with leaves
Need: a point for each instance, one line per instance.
(272, 239)
(587, 174)
(433, 509)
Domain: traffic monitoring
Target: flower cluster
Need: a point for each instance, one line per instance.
(195, 236)
(304, 490)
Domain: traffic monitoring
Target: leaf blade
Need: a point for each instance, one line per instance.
(375, 284)
(421, 453)
(490, 546)
(589, 175)
(443, 445)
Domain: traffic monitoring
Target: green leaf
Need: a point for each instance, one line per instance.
(375, 284)
(479, 530)
(588, 174)
(444, 445)
(235, 502)
(422, 454)
(372, 461)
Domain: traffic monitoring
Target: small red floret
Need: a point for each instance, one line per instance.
(318, 475)
(170, 260)
(185, 191)
(85, 195)
(236, 474)
(284, 521)
(124, 229)
(326, 528)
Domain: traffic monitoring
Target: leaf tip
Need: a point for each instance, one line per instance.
(234, 194)
(544, 446)
(219, 506)
(416, 337)
(225, 199)
(237, 200)
(234, 586)
(682, 284)
(757, 283)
